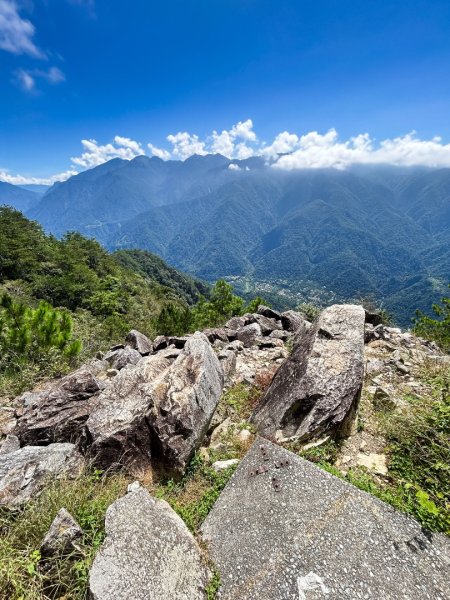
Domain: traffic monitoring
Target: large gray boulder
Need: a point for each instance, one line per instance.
(184, 400)
(25, 472)
(162, 406)
(117, 430)
(284, 529)
(58, 413)
(138, 341)
(317, 389)
(148, 553)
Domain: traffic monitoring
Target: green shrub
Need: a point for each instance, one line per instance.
(437, 329)
(29, 336)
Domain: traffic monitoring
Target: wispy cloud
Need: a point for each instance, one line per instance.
(16, 33)
(26, 79)
(24, 179)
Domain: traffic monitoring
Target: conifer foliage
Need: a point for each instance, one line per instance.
(28, 335)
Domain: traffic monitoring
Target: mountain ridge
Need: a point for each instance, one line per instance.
(373, 230)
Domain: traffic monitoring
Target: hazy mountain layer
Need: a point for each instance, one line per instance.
(377, 231)
(17, 197)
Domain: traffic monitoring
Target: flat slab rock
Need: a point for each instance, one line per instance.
(308, 535)
(149, 553)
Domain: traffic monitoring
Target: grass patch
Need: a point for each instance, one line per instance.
(194, 496)
(22, 532)
(419, 447)
(212, 589)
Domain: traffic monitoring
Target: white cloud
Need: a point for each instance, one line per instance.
(16, 33)
(53, 75)
(225, 143)
(159, 152)
(234, 167)
(222, 143)
(96, 154)
(27, 79)
(283, 143)
(315, 150)
(244, 130)
(287, 150)
(186, 145)
(23, 179)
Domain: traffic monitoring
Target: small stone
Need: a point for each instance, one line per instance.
(121, 357)
(133, 487)
(62, 535)
(221, 465)
(373, 462)
(10, 444)
(401, 368)
(244, 436)
(219, 433)
(112, 372)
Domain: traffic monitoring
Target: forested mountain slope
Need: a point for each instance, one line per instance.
(377, 230)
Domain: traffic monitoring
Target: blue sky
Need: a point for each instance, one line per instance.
(73, 70)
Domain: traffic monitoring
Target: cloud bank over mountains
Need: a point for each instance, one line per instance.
(286, 151)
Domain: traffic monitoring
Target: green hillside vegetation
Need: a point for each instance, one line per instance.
(63, 300)
(98, 297)
(437, 329)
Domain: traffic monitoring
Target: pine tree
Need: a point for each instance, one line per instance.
(27, 335)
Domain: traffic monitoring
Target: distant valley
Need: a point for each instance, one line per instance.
(317, 235)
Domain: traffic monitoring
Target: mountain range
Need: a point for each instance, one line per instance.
(311, 234)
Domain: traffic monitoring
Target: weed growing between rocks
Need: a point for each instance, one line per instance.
(212, 589)
(419, 440)
(194, 496)
(22, 576)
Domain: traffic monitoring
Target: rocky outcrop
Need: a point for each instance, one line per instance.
(267, 325)
(138, 341)
(25, 472)
(268, 312)
(117, 431)
(293, 321)
(148, 553)
(284, 528)
(121, 357)
(183, 402)
(316, 390)
(58, 413)
(162, 405)
(249, 334)
(62, 537)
